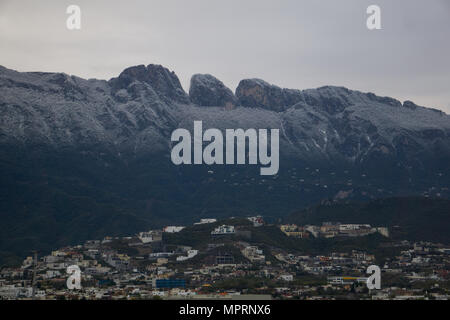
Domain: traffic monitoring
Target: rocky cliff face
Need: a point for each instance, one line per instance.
(208, 91)
(257, 93)
(163, 82)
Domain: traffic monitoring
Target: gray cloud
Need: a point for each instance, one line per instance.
(291, 43)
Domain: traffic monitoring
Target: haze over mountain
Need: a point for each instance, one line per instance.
(80, 158)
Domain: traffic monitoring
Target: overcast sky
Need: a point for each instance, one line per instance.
(290, 43)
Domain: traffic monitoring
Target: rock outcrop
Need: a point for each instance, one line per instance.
(208, 91)
(164, 82)
(256, 93)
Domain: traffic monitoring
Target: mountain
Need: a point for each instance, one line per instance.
(410, 218)
(81, 158)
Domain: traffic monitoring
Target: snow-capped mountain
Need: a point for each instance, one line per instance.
(138, 110)
(94, 155)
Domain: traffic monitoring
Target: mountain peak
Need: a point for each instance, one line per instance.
(163, 81)
(257, 93)
(206, 90)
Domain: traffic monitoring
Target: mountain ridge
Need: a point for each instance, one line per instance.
(140, 98)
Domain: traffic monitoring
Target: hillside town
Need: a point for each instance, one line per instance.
(232, 260)
(332, 229)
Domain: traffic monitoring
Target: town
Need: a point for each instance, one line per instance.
(236, 259)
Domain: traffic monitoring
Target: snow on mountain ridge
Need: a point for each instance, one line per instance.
(139, 109)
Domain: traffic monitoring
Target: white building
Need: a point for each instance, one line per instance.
(190, 255)
(28, 262)
(314, 230)
(287, 277)
(257, 221)
(172, 229)
(50, 274)
(150, 236)
(352, 227)
(205, 221)
(254, 254)
(58, 253)
(223, 230)
(383, 231)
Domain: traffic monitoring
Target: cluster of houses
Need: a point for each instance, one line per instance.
(143, 267)
(332, 229)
